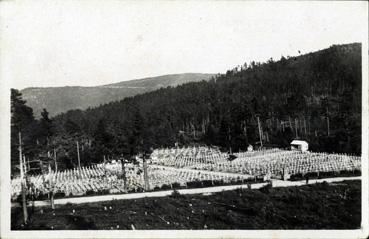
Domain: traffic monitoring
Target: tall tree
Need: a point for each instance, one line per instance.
(21, 121)
(46, 127)
(102, 141)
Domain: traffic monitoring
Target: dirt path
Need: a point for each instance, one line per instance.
(209, 190)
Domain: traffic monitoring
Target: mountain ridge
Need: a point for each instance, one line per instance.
(57, 100)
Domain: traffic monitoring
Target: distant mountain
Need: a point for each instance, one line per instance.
(61, 99)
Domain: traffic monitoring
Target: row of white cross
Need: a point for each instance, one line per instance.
(186, 165)
(261, 162)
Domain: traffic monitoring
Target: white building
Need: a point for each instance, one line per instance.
(300, 145)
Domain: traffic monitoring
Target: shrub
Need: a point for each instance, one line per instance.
(41, 196)
(90, 192)
(165, 186)
(59, 195)
(207, 183)
(176, 185)
(195, 184)
(139, 190)
(266, 188)
(176, 194)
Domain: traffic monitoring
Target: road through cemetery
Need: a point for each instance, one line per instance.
(275, 183)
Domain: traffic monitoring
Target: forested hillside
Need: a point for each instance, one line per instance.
(316, 97)
(61, 99)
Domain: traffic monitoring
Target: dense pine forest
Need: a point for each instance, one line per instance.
(315, 97)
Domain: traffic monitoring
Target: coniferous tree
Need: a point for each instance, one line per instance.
(46, 127)
(101, 145)
(22, 120)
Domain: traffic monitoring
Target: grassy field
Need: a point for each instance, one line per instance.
(319, 206)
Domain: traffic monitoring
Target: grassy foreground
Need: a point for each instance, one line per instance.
(319, 206)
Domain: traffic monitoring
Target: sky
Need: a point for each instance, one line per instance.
(88, 43)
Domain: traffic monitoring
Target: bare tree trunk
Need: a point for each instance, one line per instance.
(23, 185)
(327, 121)
(52, 200)
(296, 128)
(124, 174)
(146, 178)
(24, 165)
(289, 119)
(309, 124)
(27, 163)
(260, 132)
(245, 132)
(104, 165)
(79, 161)
(56, 164)
(328, 126)
(229, 140)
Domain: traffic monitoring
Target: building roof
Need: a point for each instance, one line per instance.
(299, 142)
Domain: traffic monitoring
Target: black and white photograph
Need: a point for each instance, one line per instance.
(184, 119)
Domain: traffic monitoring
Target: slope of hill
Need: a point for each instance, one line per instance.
(316, 97)
(61, 99)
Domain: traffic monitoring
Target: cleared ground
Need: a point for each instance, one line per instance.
(206, 190)
(317, 206)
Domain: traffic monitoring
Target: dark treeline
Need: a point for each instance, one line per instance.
(316, 97)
